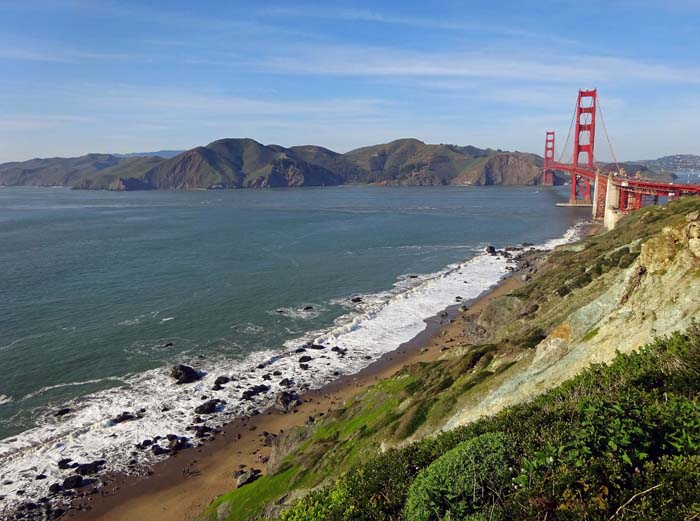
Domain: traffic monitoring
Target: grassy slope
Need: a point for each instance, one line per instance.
(418, 401)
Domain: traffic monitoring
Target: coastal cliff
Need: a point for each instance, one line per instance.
(513, 405)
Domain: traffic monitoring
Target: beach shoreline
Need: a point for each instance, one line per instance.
(180, 487)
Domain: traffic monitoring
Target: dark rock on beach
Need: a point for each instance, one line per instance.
(200, 431)
(88, 469)
(71, 482)
(158, 450)
(65, 463)
(184, 374)
(178, 443)
(221, 380)
(305, 359)
(356, 300)
(287, 400)
(491, 250)
(62, 412)
(209, 406)
(247, 477)
(254, 391)
(341, 351)
(144, 444)
(124, 417)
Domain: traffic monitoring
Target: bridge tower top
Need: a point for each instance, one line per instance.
(549, 148)
(584, 136)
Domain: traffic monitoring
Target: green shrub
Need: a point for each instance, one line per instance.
(463, 482)
(627, 260)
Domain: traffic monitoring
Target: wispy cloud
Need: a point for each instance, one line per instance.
(424, 22)
(513, 65)
(58, 53)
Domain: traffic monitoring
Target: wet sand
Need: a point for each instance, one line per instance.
(182, 486)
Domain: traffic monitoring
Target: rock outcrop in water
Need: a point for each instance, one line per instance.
(184, 374)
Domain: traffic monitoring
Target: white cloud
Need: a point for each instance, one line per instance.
(506, 65)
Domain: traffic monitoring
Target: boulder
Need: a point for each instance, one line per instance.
(247, 477)
(254, 391)
(286, 382)
(65, 463)
(179, 443)
(184, 374)
(356, 300)
(124, 417)
(287, 400)
(201, 431)
(158, 450)
(55, 488)
(304, 366)
(304, 359)
(491, 250)
(62, 412)
(221, 380)
(87, 469)
(71, 482)
(209, 406)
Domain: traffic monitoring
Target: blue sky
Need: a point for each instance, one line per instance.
(79, 76)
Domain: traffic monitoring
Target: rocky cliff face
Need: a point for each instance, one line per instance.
(508, 169)
(659, 293)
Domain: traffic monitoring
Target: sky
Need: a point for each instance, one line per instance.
(80, 76)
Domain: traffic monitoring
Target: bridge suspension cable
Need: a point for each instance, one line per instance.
(607, 137)
(568, 137)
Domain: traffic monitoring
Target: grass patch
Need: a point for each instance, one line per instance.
(590, 334)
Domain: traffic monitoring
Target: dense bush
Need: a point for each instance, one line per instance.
(464, 481)
(619, 441)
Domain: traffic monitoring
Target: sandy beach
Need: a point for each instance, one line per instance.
(182, 486)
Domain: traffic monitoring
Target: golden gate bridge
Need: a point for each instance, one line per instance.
(610, 194)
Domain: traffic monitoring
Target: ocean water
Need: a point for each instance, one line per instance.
(102, 292)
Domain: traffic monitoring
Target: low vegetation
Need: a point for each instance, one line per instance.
(618, 441)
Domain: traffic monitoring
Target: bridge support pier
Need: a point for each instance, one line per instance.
(612, 214)
(600, 190)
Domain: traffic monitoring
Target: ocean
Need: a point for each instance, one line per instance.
(101, 293)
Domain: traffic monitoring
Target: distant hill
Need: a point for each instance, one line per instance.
(412, 162)
(245, 163)
(90, 171)
(238, 163)
(677, 163)
(167, 154)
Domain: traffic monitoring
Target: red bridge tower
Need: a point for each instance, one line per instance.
(584, 141)
(547, 174)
